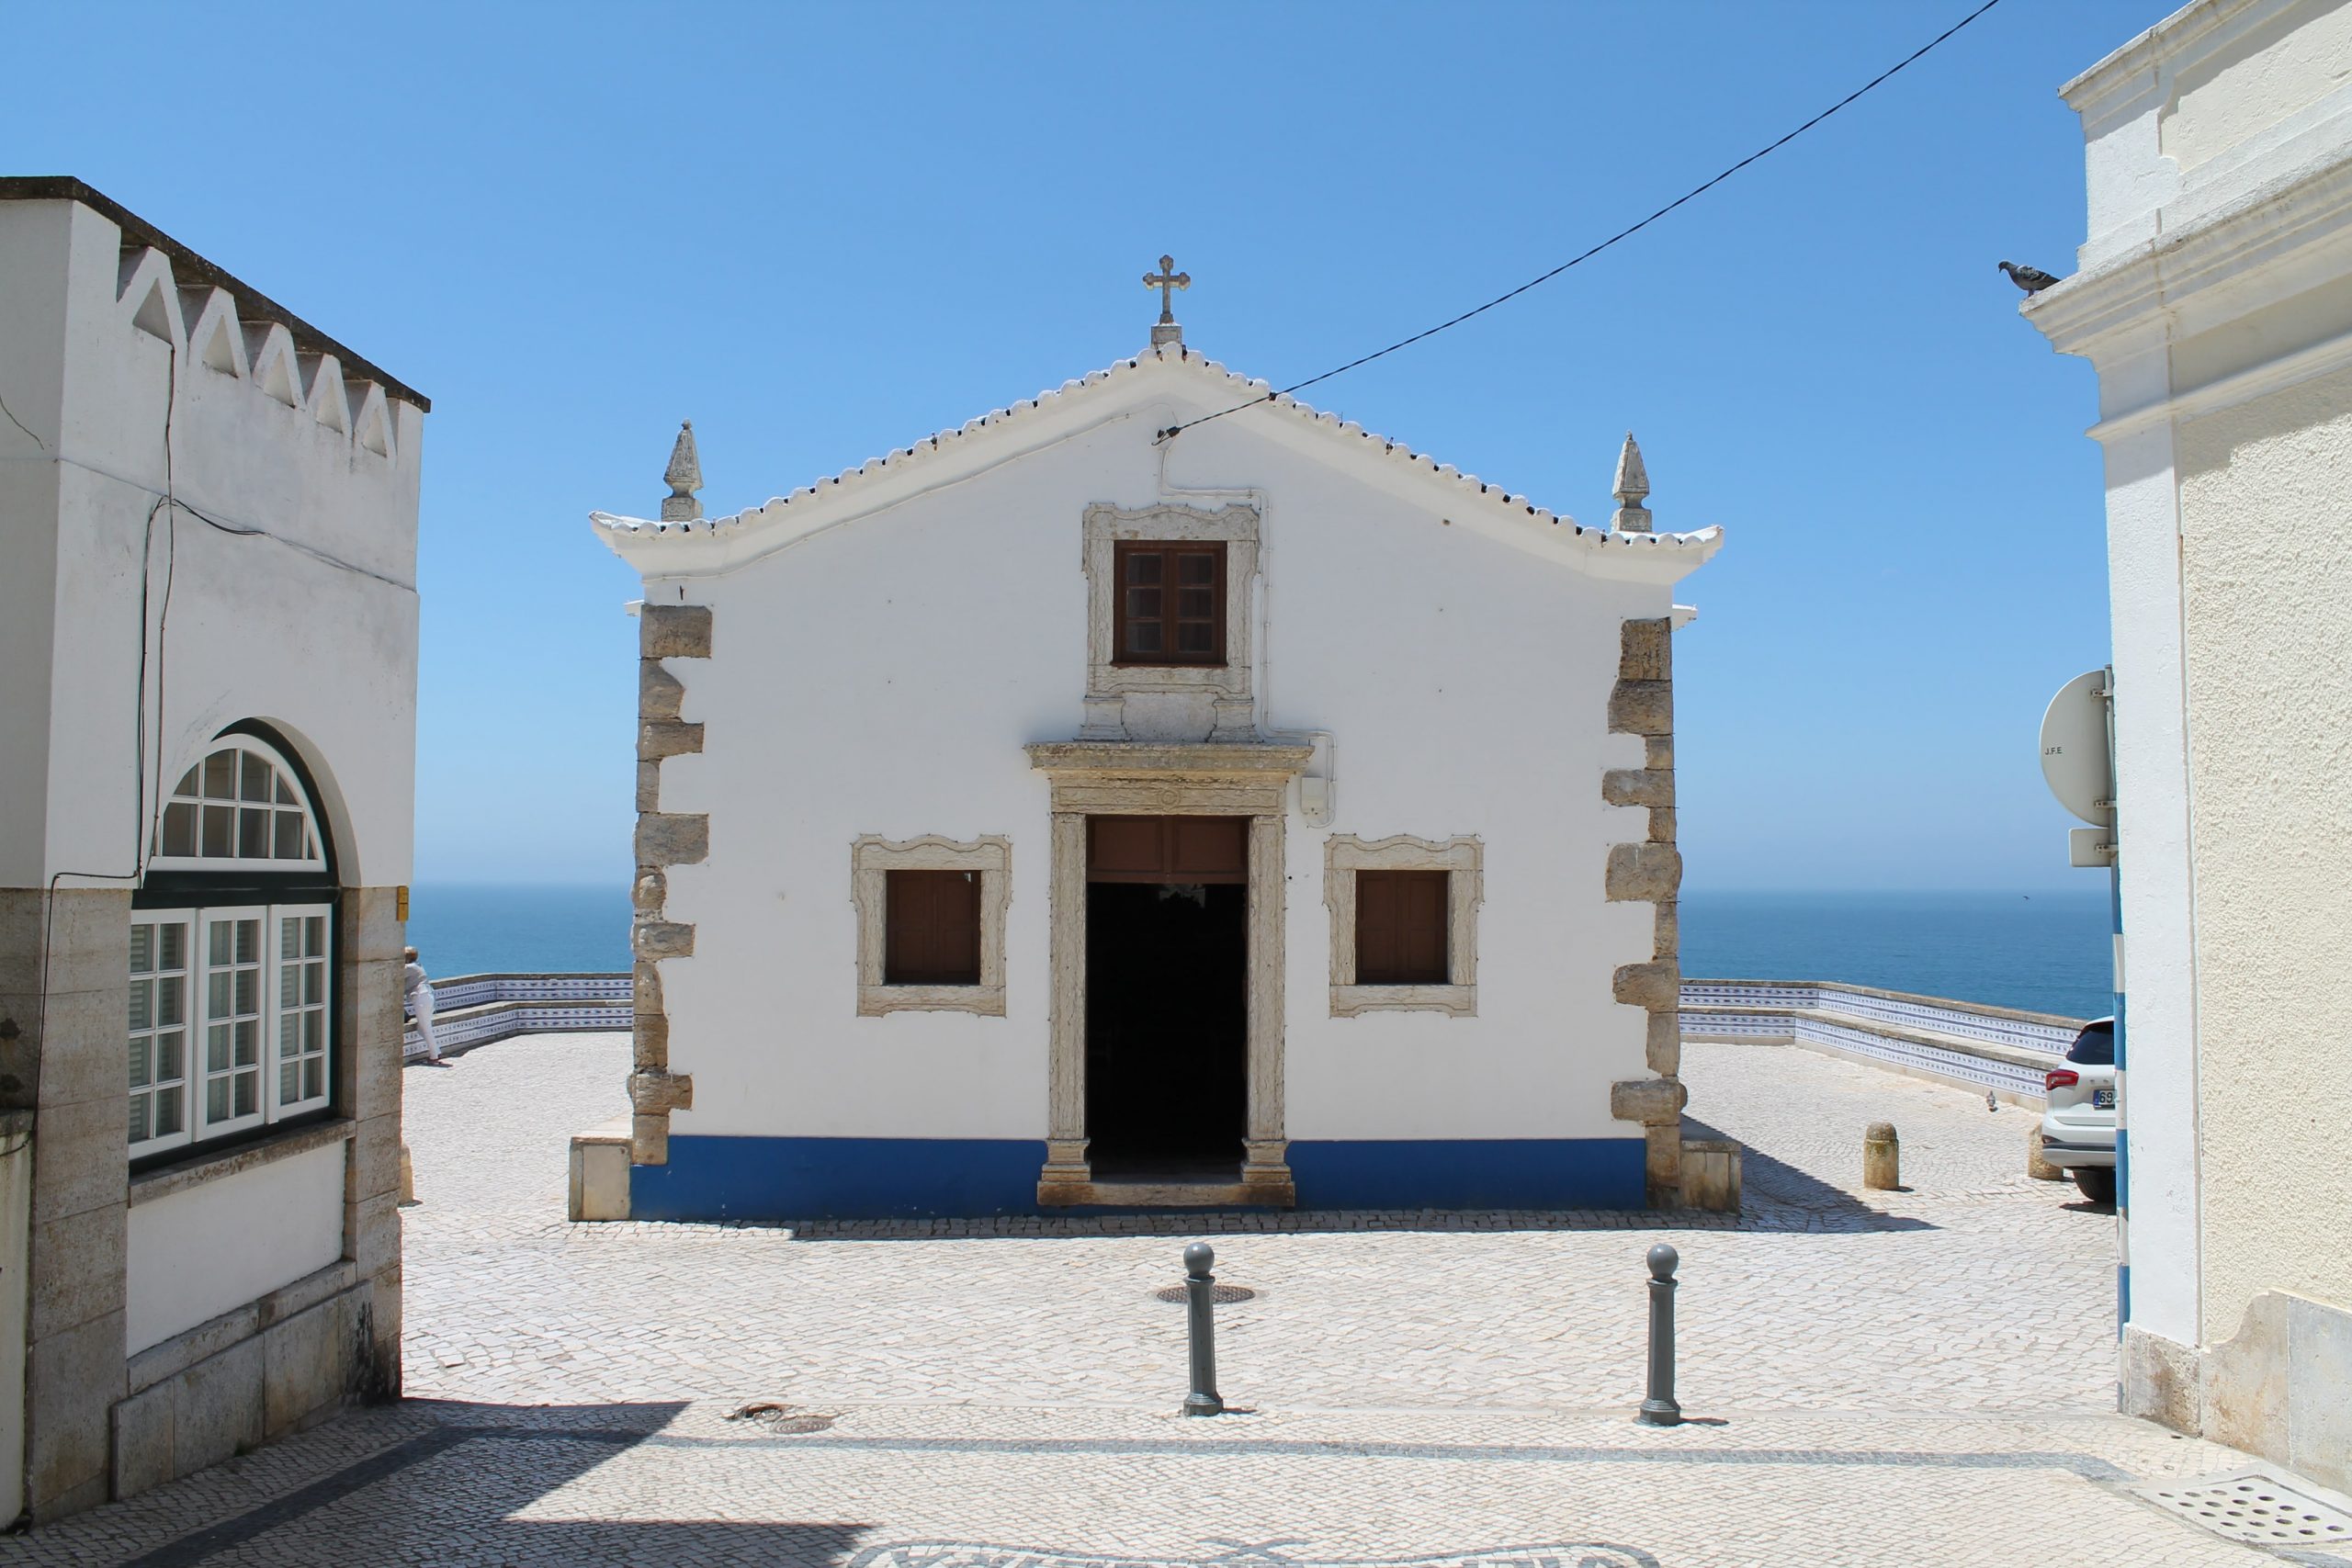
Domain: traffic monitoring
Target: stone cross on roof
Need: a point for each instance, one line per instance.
(683, 477)
(1632, 487)
(1167, 280)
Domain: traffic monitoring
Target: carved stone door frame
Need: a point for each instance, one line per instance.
(1129, 778)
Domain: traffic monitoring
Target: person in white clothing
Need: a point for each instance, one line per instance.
(417, 992)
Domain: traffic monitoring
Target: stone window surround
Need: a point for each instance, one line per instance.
(1461, 858)
(872, 859)
(1108, 684)
(1147, 779)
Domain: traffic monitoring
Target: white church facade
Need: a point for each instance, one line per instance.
(1062, 813)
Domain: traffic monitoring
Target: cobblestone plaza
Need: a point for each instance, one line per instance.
(1923, 1376)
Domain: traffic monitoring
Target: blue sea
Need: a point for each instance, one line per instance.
(2046, 952)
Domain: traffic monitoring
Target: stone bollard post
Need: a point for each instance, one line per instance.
(1659, 1409)
(1882, 1158)
(408, 1177)
(1200, 1330)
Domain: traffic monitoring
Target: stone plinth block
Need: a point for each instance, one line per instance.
(659, 693)
(1711, 1175)
(1656, 984)
(600, 1175)
(1638, 787)
(673, 631)
(659, 738)
(651, 1091)
(1645, 651)
(1647, 874)
(673, 838)
(1641, 707)
(662, 939)
(1649, 1101)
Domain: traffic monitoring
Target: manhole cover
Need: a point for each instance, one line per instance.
(2251, 1506)
(785, 1418)
(1223, 1295)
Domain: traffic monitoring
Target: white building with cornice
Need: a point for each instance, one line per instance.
(2214, 297)
(1153, 794)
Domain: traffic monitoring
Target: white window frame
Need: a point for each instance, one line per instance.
(872, 859)
(270, 1017)
(190, 1029)
(1461, 858)
(288, 795)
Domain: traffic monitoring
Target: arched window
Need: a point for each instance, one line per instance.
(231, 1016)
(244, 804)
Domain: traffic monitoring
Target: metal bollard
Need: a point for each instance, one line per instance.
(1200, 1330)
(1882, 1158)
(1659, 1409)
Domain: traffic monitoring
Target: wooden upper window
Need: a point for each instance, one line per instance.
(1171, 604)
(1400, 927)
(931, 924)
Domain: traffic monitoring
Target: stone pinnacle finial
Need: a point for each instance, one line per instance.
(1632, 487)
(683, 477)
(1165, 280)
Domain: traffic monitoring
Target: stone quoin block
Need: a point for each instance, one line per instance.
(662, 1092)
(648, 786)
(645, 990)
(662, 938)
(1641, 707)
(1645, 651)
(1665, 930)
(649, 1138)
(1656, 986)
(650, 1042)
(1663, 1048)
(673, 838)
(659, 693)
(673, 631)
(645, 895)
(659, 738)
(1651, 1102)
(1638, 787)
(1644, 873)
(1658, 753)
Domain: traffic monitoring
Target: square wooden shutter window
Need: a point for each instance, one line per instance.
(1170, 602)
(1400, 927)
(931, 925)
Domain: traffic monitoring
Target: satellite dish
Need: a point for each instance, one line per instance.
(2075, 759)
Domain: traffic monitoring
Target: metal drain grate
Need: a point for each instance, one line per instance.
(2256, 1508)
(1223, 1295)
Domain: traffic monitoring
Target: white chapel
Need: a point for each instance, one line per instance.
(1109, 806)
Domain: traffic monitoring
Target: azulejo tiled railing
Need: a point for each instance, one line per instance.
(1988, 1048)
(471, 1010)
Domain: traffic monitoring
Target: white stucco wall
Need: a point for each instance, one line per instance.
(881, 676)
(199, 1252)
(308, 624)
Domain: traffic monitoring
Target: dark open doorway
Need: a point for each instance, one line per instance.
(1167, 997)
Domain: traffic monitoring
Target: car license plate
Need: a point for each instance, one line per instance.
(2102, 1099)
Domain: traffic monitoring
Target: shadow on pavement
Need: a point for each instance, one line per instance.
(1769, 1184)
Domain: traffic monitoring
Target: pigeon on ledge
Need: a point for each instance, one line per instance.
(2032, 279)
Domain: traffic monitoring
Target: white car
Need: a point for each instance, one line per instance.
(2078, 1130)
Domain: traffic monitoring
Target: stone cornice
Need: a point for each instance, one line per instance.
(1165, 760)
(2180, 39)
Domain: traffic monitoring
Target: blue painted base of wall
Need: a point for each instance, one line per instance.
(876, 1178)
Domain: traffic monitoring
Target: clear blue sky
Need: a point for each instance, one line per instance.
(820, 232)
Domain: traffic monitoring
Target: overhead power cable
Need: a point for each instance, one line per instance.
(1626, 234)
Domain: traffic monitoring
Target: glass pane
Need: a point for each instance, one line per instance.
(139, 1133)
(1143, 636)
(285, 794)
(187, 783)
(314, 1078)
(257, 779)
(179, 830)
(290, 1082)
(142, 948)
(248, 1042)
(219, 776)
(143, 1003)
(289, 835)
(248, 993)
(216, 1048)
(1196, 568)
(168, 999)
(1144, 567)
(1195, 603)
(290, 984)
(168, 1111)
(314, 1031)
(249, 942)
(314, 936)
(175, 938)
(139, 1054)
(216, 1100)
(248, 1093)
(216, 992)
(1143, 603)
(314, 983)
(1192, 637)
(254, 835)
(220, 830)
(167, 1058)
(289, 1035)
